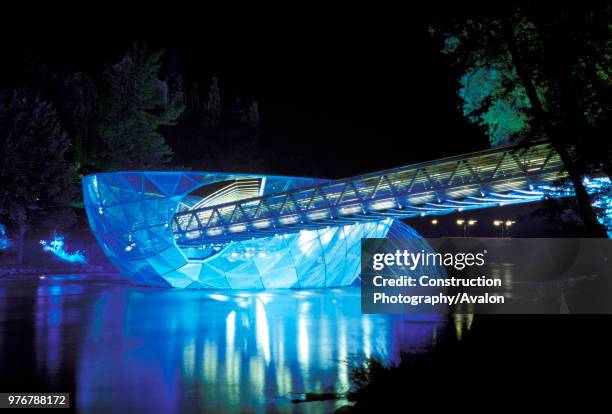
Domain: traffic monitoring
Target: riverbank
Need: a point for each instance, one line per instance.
(14, 270)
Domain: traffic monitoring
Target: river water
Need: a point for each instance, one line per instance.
(120, 348)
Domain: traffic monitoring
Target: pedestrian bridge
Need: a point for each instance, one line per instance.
(495, 177)
(212, 230)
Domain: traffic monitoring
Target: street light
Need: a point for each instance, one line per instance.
(504, 225)
(466, 224)
(435, 231)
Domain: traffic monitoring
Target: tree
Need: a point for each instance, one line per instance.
(536, 71)
(253, 116)
(213, 105)
(78, 105)
(36, 180)
(133, 108)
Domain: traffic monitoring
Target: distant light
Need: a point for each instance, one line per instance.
(497, 222)
(460, 222)
(510, 223)
(434, 222)
(472, 222)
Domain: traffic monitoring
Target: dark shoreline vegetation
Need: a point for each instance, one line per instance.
(538, 354)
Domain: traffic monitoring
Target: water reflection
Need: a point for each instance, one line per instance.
(171, 351)
(224, 351)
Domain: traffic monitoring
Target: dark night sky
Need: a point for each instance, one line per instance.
(343, 92)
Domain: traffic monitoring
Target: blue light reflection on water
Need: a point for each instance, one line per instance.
(171, 351)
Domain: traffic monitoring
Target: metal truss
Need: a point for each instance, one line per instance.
(500, 176)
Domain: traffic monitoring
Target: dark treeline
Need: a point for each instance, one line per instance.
(137, 113)
(102, 109)
(516, 73)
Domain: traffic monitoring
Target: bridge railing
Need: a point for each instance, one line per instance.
(501, 175)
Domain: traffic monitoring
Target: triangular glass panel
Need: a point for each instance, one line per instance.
(151, 189)
(185, 185)
(166, 182)
(134, 181)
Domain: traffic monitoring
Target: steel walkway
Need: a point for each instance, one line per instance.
(500, 176)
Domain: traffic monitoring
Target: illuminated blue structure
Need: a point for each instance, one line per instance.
(131, 214)
(238, 231)
(4, 241)
(56, 247)
(601, 188)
